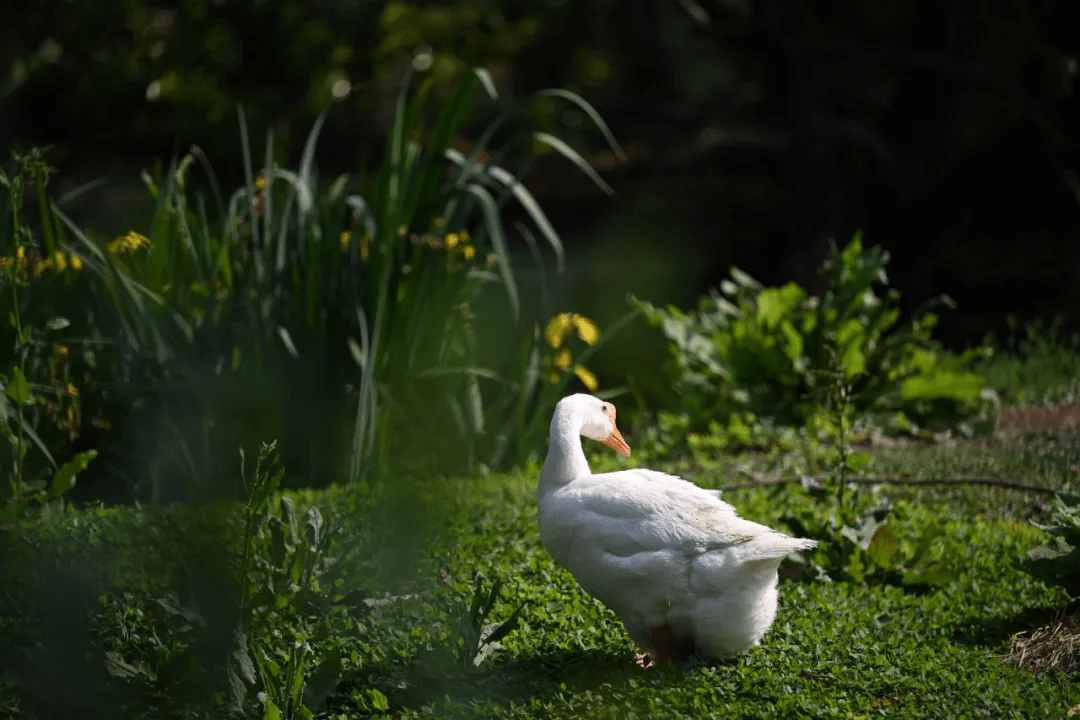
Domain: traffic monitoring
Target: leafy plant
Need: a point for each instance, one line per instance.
(353, 299)
(1058, 561)
(38, 399)
(752, 349)
(476, 637)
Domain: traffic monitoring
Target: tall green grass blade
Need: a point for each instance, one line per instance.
(570, 154)
(484, 76)
(527, 201)
(589, 110)
(249, 194)
(498, 243)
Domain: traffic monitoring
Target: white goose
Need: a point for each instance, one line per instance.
(680, 568)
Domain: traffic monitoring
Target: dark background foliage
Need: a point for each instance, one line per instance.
(755, 130)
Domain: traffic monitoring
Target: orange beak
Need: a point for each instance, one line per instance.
(615, 442)
(615, 439)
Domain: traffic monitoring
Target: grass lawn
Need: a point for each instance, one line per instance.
(125, 612)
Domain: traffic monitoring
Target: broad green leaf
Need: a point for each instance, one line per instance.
(57, 323)
(64, 478)
(943, 384)
(18, 389)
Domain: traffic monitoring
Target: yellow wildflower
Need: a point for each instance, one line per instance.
(42, 266)
(62, 350)
(59, 261)
(72, 390)
(18, 261)
(365, 246)
(260, 182)
(451, 240)
(468, 251)
(556, 329)
(402, 231)
(586, 329)
(346, 237)
(587, 378)
(128, 243)
(560, 325)
(563, 360)
(76, 262)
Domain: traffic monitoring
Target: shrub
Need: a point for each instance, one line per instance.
(761, 351)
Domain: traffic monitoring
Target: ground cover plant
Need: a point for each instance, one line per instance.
(349, 612)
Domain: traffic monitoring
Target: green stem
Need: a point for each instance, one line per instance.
(13, 276)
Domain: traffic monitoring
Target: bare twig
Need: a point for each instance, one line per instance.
(1004, 483)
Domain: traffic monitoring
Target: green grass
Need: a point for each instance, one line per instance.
(127, 581)
(1041, 364)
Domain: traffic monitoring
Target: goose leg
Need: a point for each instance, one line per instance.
(661, 653)
(661, 640)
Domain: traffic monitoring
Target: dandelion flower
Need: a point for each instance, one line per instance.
(346, 237)
(468, 251)
(451, 240)
(76, 262)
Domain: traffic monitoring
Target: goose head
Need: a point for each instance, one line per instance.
(593, 418)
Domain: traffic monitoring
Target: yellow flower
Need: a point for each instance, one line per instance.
(6, 263)
(402, 231)
(464, 235)
(260, 182)
(128, 243)
(62, 350)
(72, 390)
(468, 251)
(451, 240)
(59, 261)
(587, 378)
(76, 262)
(42, 266)
(556, 329)
(563, 360)
(365, 246)
(586, 329)
(346, 236)
(561, 324)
